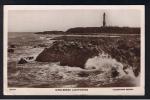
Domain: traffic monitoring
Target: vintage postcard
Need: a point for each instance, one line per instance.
(74, 50)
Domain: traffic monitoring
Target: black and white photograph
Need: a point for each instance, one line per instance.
(74, 50)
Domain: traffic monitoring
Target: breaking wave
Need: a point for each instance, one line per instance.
(104, 63)
(109, 66)
(100, 71)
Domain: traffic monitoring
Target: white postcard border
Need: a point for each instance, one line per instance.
(74, 91)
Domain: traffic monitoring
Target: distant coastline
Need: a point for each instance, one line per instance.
(95, 30)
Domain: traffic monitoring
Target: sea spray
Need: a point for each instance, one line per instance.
(105, 63)
(66, 76)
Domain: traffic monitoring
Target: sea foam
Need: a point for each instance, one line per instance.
(106, 63)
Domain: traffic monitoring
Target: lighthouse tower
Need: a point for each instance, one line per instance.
(104, 19)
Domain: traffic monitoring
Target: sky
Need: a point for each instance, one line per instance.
(61, 20)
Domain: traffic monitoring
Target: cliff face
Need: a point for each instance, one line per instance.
(75, 51)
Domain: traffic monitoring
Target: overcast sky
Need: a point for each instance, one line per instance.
(47, 20)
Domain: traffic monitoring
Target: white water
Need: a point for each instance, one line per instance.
(105, 63)
(39, 73)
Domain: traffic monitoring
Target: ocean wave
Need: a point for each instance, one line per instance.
(55, 75)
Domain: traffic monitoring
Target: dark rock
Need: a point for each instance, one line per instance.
(34, 46)
(11, 50)
(29, 58)
(41, 45)
(68, 53)
(76, 50)
(12, 46)
(114, 72)
(22, 61)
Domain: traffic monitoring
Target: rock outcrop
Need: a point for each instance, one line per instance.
(22, 61)
(11, 50)
(75, 51)
(30, 58)
(68, 53)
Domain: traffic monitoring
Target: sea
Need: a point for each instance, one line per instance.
(53, 75)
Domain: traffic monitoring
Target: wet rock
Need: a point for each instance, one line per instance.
(22, 61)
(12, 46)
(11, 50)
(29, 58)
(34, 46)
(41, 45)
(114, 72)
(68, 53)
(75, 50)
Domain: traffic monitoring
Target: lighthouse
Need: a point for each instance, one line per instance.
(104, 19)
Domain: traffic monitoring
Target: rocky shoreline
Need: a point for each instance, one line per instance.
(75, 51)
(75, 61)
